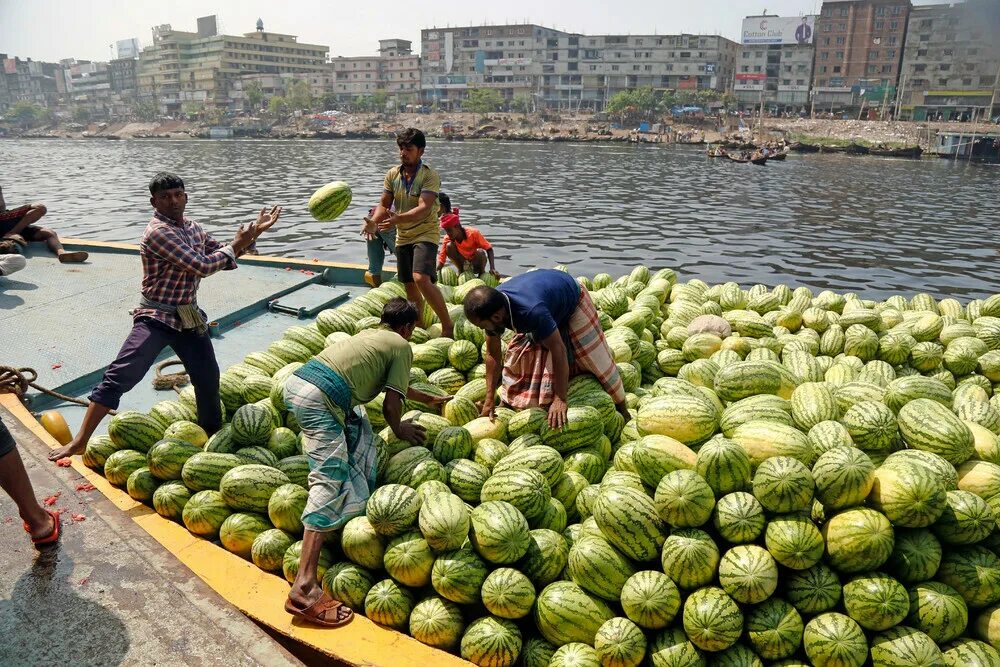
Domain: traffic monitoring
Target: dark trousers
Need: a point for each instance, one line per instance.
(146, 340)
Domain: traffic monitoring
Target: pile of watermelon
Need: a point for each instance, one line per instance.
(807, 479)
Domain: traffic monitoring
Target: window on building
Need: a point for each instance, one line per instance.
(886, 69)
(635, 68)
(944, 67)
(841, 41)
(942, 82)
(872, 69)
(842, 27)
(572, 66)
(786, 82)
(925, 37)
(948, 52)
(839, 55)
(758, 54)
(821, 83)
(986, 81)
(800, 82)
(967, 81)
(921, 53)
(746, 54)
(756, 68)
(880, 11)
(685, 54)
(894, 25)
(827, 27)
(827, 11)
(972, 52)
(844, 11)
(614, 68)
(897, 10)
(826, 41)
(823, 69)
(893, 40)
(746, 68)
(873, 55)
(879, 25)
(824, 55)
(648, 68)
(670, 67)
(836, 69)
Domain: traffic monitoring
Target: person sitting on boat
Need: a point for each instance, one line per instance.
(327, 398)
(464, 246)
(176, 253)
(558, 333)
(19, 223)
(42, 525)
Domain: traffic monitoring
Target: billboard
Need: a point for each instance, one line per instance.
(779, 29)
(127, 48)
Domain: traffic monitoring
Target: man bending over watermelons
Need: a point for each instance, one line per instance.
(176, 254)
(327, 396)
(558, 334)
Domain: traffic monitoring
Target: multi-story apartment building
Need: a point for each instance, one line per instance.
(558, 69)
(395, 71)
(30, 80)
(775, 64)
(123, 74)
(859, 47)
(951, 61)
(203, 66)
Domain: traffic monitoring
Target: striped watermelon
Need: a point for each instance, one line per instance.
(629, 520)
(748, 574)
(937, 610)
(687, 418)
(258, 387)
(738, 517)
(222, 441)
(650, 599)
(904, 646)
(444, 521)
(361, 544)
(389, 604)
(263, 361)
(286, 506)
(268, 549)
(489, 451)
(872, 425)
(499, 532)
(240, 529)
(392, 509)
(911, 496)
(812, 403)
(259, 455)
(466, 478)
(835, 640)
(583, 425)
(309, 337)
(916, 555)
(451, 443)
(141, 484)
(774, 629)
(597, 567)
(844, 477)
(205, 513)
(973, 571)
(690, 558)
(553, 518)
(524, 488)
(541, 458)
(491, 642)
(828, 435)
(858, 540)
(348, 584)
(283, 443)
(99, 448)
(134, 430)
(436, 622)
(508, 593)
(167, 457)
(293, 555)
(794, 541)
(724, 465)
(684, 499)
(967, 519)
(408, 559)
(761, 440)
(671, 648)
(527, 421)
(249, 487)
(712, 620)
(929, 426)
(970, 653)
(765, 407)
(204, 470)
(168, 412)
(813, 590)
(566, 613)
(876, 601)
(656, 455)
(170, 498)
(783, 484)
(251, 425)
(459, 575)
(546, 557)
(575, 654)
(122, 463)
(297, 469)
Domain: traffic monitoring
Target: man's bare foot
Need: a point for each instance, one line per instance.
(72, 448)
(75, 257)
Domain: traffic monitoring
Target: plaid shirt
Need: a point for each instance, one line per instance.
(175, 257)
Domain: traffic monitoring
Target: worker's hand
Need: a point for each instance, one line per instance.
(557, 413)
(411, 432)
(266, 218)
(388, 223)
(369, 229)
(438, 400)
(245, 236)
(495, 273)
(489, 408)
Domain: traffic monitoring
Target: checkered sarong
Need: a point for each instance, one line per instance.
(527, 370)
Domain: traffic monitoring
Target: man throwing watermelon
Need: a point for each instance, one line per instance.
(327, 396)
(176, 254)
(557, 333)
(411, 189)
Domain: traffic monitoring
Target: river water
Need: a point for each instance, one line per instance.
(869, 225)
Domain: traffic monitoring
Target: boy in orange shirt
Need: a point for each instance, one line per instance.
(463, 245)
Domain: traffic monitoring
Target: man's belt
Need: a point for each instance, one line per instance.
(189, 314)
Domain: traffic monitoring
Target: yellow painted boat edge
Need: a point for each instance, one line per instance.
(257, 594)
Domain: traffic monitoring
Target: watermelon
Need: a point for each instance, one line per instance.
(204, 470)
(99, 448)
(508, 593)
(858, 540)
(566, 613)
(902, 645)
(249, 487)
(186, 431)
(349, 584)
(292, 559)
(629, 520)
(491, 642)
(205, 513)
(690, 558)
(170, 498)
(834, 639)
(283, 443)
(712, 620)
(795, 542)
(408, 559)
(748, 574)
(239, 530)
(361, 544)
(774, 629)
(724, 465)
(389, 604)
(134, 430)
(844, 477)
(575, 654)
(524, 488)
(684, 499)
(392, 509)
(876, 601)
(937, 610)
(929, 426)
(329, 201)
(222, 441)
(122, 463)
(141, 484)
(436, 622)
(597, 567)
(268, 549)
(910, 495)
(738, 517)
(546, 557)
(650, 599)
(973, 571)
(459, 576)
(916, 555)
(168, 412)
(970, 653)
(620, 642)
(297, 469)
(783, 484)
(451, 443)
(259, 455)
(813, 590)
(967, 519)
(286, 506)
(251, 425)
(444, 521)
(167, 457)
(670, 648)
(499, 532)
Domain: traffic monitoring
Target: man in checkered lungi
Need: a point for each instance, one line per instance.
(557, 334)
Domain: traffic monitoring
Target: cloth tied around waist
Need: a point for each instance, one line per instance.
(189, 314)
(330, 383)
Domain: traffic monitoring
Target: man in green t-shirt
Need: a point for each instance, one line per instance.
(327, 397)
(411, 189)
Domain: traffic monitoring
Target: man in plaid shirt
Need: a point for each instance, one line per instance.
(176, 254)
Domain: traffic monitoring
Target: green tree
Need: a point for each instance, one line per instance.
(521, 103)
(482, 101)
(379, 100)
(253, 94)
(25, 113)
(299, 95)
(329, 100)
(146, 110)
(277, 106)
(81, 115)
(364, 104)
(634, 104)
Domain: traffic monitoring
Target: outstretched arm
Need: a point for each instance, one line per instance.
(169, 245)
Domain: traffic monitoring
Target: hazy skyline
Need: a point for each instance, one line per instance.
(51, 30)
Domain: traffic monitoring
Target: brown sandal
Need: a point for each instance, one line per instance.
(74, 257)
(317, 613)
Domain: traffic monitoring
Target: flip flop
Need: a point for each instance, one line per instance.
(316, 612)
(74, 257)
(52, 537)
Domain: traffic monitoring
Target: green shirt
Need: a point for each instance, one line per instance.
(371, 361)
(406, 196)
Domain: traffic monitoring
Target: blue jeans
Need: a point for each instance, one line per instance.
(377, 248)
